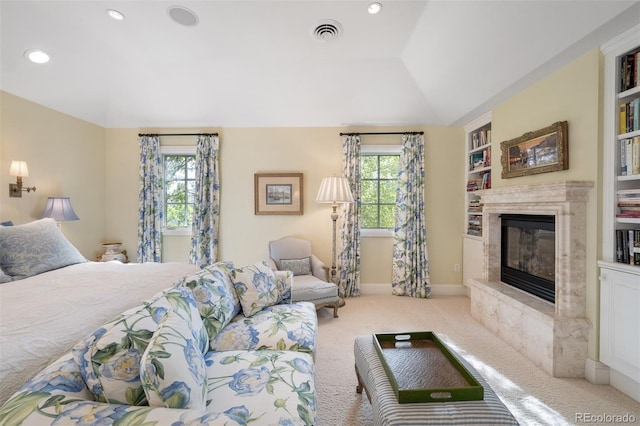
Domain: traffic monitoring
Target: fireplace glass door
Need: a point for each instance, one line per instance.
(529, 253)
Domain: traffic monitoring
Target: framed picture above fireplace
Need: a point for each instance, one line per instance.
(542, 151)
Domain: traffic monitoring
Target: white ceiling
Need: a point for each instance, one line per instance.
(255, 63)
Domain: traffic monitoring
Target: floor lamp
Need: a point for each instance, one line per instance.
(334, 190)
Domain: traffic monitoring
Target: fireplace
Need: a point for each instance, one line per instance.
(528, 254)
(552, 335)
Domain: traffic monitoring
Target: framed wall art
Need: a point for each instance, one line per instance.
(542, 151)
(278, 193)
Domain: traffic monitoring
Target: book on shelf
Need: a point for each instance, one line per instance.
(628, 71)
(630, 116)
(628, 203)
(628, 246)
(630, 156)
(480, 138)
(474, 207)
(486, 181)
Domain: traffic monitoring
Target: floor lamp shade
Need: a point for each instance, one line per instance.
(334, 190)
(59, 209)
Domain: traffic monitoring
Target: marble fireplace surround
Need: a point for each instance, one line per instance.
(554, 337)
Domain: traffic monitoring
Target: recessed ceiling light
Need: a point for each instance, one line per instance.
(118, 16)
(37, 56)
(183, 16)
(374, 8)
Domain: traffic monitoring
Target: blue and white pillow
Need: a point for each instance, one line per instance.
(256, 287)
(172, 368)
(215, 295)
(35, 247)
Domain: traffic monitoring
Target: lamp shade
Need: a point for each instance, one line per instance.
(59, 208)
(334, 190)
(18, 168)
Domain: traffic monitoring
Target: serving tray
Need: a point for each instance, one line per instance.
(422, 369)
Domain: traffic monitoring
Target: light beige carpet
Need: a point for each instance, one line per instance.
(534, 397)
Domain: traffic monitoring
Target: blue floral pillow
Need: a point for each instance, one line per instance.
(215, 295)
(172, 369)
(35, 247)
(256, 287)
(109, 359)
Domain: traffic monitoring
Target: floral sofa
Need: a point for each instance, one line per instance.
(223, 346)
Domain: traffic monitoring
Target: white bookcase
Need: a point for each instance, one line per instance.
(619, 280)
(477, 170)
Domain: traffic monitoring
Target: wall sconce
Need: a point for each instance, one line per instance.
(18, 169)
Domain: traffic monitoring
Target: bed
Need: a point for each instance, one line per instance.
(42, 316)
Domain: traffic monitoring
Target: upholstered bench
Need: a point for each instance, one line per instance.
(387, 411)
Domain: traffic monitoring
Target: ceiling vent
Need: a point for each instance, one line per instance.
(327, 30)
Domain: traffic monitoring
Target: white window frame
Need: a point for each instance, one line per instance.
(378, 150)
(176, 150)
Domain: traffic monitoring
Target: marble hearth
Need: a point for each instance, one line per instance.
(553, 336)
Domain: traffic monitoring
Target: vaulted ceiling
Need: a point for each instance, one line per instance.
(258, 64)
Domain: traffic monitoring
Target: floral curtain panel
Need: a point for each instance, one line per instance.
(150, 200)
(348, 262)
(206, 210)
(410, 264)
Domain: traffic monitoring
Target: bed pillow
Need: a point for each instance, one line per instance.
(4, 278)
(300, 266)
(172, 369)
(256, 287)
(215, 295)
(35, 247)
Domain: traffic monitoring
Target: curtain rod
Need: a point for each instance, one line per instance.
(177, 134)
(382, 133)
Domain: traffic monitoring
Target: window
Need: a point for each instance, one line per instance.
(379, 167)
(179, 188)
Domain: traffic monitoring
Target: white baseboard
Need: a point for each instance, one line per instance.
(436, 289)
(596, 372)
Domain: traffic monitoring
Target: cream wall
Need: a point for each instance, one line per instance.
(573, 94)
(66, 158)
(315, 152)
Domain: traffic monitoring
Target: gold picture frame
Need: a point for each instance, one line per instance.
(278, 193)
(545, 150)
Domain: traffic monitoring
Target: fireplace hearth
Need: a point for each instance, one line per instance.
(552, 335)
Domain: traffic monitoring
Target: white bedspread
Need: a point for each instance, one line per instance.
(42, 317)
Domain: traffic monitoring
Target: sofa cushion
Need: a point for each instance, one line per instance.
(172, 368)
(35, 247)
(297, 266)
(256, 287)
(312, 289)
(283, 327)
(215, 295)
(109, 359)
(266, 387)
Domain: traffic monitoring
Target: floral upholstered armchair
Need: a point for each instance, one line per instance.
(310, 275)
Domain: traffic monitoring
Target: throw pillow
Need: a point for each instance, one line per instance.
(109, 359)
(215, 296)
(35, 247)
(300, 266)
(172, 368)
(256, 287)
